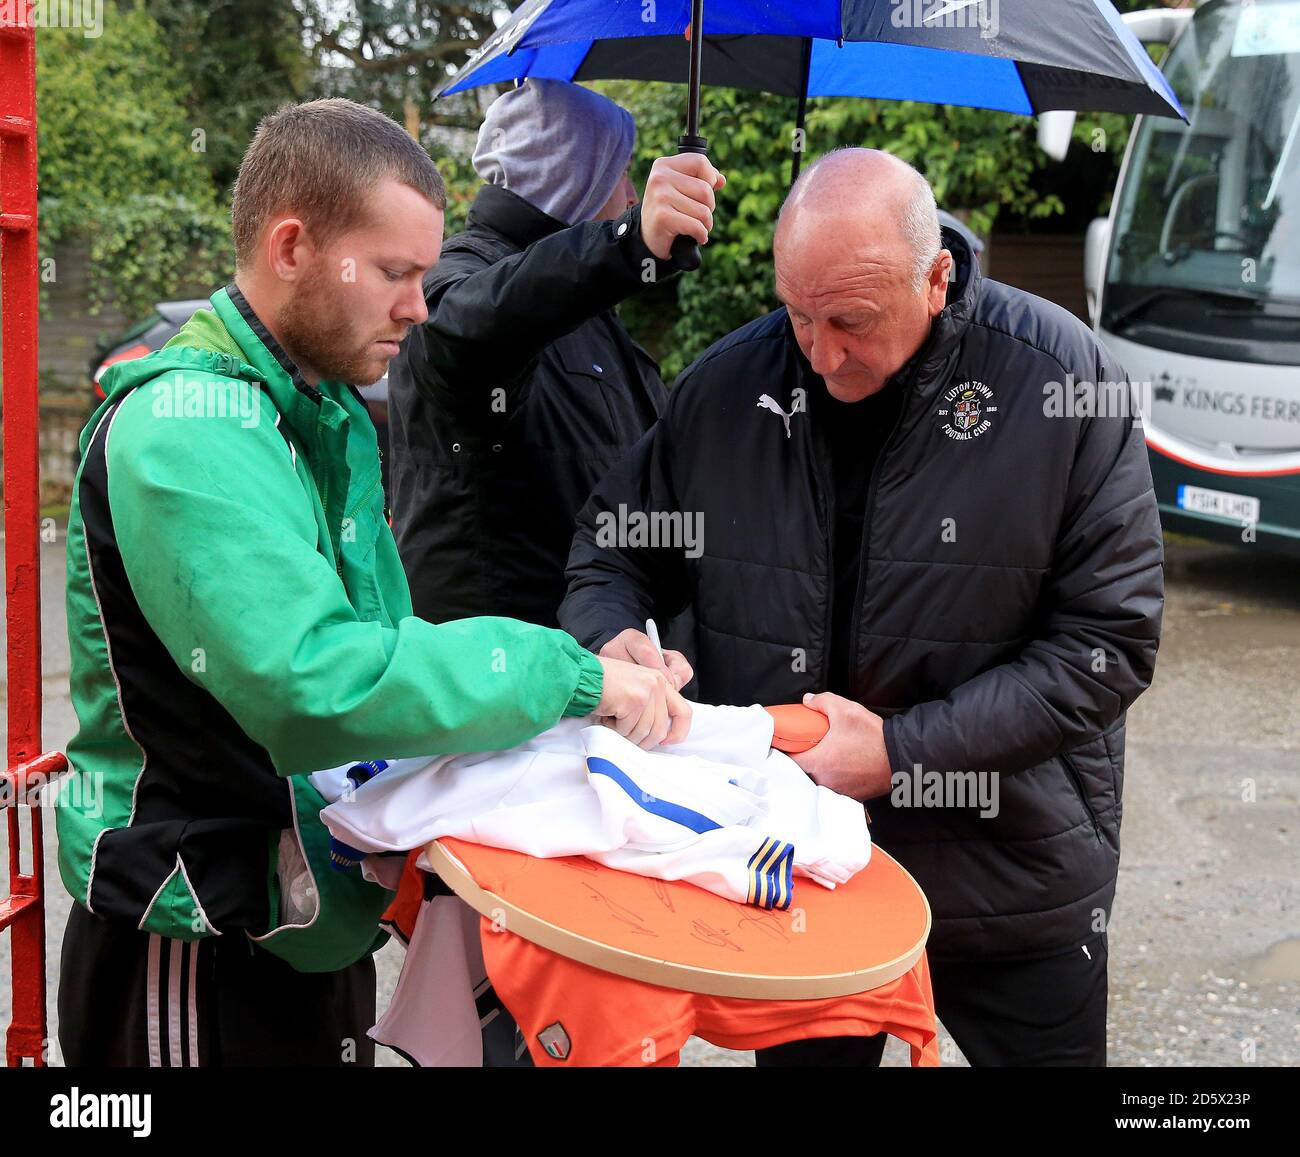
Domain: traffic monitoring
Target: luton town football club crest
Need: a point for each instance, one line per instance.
(967, 411)
(555, 1041)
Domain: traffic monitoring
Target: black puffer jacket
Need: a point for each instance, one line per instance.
(1008, 609)
(510, 403)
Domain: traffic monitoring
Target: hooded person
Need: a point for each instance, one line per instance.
(561, 147)
(522, 388)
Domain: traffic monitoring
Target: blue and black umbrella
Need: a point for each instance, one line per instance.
(1019, 56)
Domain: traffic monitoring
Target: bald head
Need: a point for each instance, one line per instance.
(863, 198)
(859, 266)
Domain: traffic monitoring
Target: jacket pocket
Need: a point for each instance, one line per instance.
(1115, 742)
(1072, 770)
(574, 389)
(322, 919)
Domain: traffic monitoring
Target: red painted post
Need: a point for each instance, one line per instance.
(23, 910)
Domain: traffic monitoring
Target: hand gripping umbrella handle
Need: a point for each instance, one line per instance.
(686, 250)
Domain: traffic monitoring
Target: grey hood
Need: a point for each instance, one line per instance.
(558, 145)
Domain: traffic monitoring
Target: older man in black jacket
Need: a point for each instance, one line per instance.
(913, 496)
(523, 387)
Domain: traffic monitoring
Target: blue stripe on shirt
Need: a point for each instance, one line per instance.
(660, 807)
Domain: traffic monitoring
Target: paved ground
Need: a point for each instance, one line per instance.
(1205, 940)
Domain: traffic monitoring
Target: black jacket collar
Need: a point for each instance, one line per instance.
(936, 356)
(276, 350)
(507, 213)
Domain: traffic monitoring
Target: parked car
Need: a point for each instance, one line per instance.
(165, 322)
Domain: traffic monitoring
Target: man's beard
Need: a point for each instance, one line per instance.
(316, 330)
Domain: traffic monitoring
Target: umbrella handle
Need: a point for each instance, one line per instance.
(686, 250)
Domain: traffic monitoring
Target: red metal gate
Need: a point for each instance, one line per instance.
(23, 910)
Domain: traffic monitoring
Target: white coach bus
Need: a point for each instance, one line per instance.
(1194, 279)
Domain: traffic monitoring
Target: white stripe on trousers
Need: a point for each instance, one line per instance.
(177, 1054)
(194, 1005)
(151, 1001)
(174, 1004)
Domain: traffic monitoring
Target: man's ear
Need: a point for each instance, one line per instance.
(438, 238)
(288, 248)
(936, 288)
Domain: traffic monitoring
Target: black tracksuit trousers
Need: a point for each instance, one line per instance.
(132, 998)
(1043, 1012)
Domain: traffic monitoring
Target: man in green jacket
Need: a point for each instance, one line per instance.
(238, 618)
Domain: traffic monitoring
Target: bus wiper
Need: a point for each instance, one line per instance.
(1118, 320)
(1126, 315)
(1269, 308)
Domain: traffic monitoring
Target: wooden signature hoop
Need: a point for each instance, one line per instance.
(860, 936)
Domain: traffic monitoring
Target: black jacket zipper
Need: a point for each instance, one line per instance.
(854, 624)
(828, 505)
(1077, 780)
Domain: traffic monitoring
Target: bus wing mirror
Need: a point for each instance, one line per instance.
(1158, 25)
(1054, 131)
(1094, 263)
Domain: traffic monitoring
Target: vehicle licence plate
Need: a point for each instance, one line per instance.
(1238, 507)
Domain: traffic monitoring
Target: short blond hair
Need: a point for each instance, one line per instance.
(320, 161)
